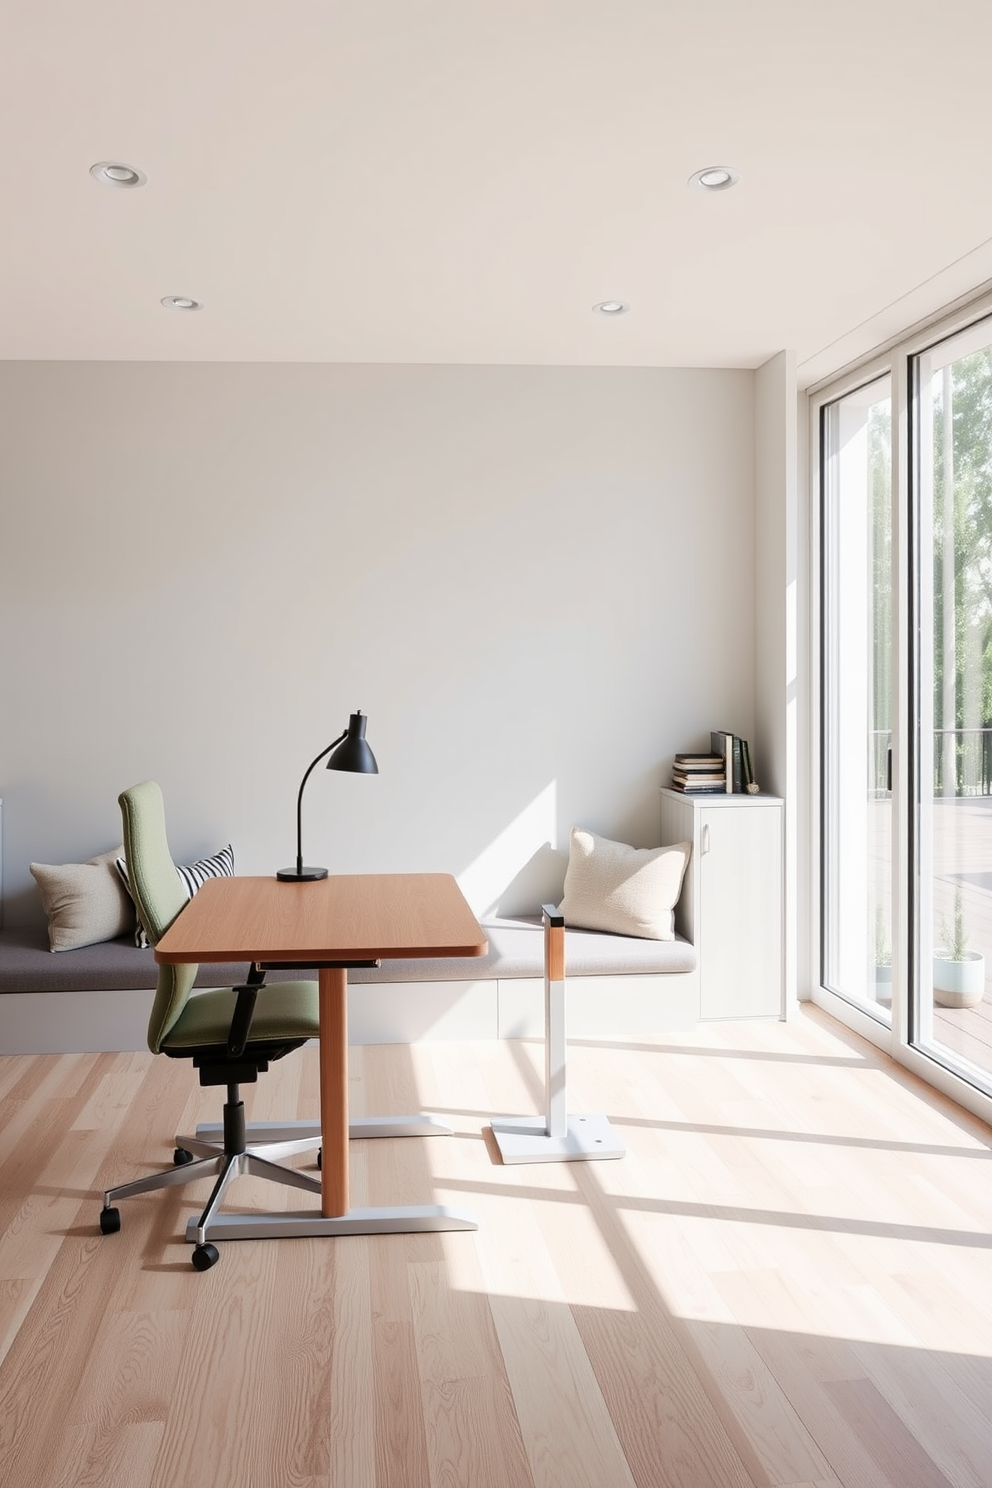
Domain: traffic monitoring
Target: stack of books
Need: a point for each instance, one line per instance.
(699, 774)
(726, 768)
(736, 756)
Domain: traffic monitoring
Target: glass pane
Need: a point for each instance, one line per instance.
(857, 698)
(952, 1011)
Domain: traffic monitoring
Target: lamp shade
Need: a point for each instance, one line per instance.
(353, 753)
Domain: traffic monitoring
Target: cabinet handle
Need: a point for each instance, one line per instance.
(704, 839)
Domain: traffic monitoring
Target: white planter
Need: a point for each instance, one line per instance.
(958, 983)
(883, 984)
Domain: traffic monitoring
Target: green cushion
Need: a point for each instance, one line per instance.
(285, 1010)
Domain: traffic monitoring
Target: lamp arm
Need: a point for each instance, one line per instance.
(299, 799)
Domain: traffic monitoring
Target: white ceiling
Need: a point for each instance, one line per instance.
(461, 180)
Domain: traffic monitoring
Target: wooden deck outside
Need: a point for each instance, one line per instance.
(962, 859)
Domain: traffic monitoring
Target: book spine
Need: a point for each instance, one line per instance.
(723, 744)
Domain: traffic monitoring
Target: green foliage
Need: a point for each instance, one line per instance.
(969, 606)
(971, 494)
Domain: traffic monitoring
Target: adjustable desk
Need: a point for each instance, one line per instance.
(331, 924)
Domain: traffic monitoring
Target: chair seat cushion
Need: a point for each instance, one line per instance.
(283, 1011)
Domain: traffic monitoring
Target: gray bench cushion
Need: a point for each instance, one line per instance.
(516, 949)
(27, 965)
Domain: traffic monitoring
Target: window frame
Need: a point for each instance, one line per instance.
(895, 359)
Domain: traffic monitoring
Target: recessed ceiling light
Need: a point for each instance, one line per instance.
(611, 307)
(116, 173)
(180, 302)
(714, 178)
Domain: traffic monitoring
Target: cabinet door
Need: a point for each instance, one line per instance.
(740, 912)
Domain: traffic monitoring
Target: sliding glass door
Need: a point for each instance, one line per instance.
(904, 739)
(951, 386)
(856, 938)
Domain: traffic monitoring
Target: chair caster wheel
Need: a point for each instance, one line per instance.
(205, 1256)
(110, 1221)
(181, 1157)
(320, 1158)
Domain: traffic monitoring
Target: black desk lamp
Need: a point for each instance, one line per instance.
(350, 752)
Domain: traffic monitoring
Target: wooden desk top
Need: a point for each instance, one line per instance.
(348, 917)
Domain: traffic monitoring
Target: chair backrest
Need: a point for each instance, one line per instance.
(159, 896)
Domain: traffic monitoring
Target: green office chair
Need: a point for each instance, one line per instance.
(228, 1037)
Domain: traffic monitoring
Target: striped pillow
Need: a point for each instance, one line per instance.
(192, 876)
(221, 865)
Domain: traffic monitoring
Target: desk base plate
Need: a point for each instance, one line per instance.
(525, 1139)
(403, 1219)
(275, 1133)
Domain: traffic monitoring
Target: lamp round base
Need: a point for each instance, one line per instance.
(301, 875)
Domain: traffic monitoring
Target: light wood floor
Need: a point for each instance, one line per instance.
(788, 1280)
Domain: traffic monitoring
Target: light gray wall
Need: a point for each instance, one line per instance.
(537, 582)
(777, 674)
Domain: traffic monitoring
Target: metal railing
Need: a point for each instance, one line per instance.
(962, 762)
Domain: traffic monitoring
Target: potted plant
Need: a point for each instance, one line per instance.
(958, 974)
(883, 957)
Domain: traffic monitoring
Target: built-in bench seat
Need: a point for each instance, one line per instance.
(99, 997)
(27, 965)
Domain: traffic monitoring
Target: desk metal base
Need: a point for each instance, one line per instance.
(287, 1137)
(402, 1219)
(307, 1133)
(525, 1139)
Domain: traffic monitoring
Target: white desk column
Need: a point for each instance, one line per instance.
(555, 1136)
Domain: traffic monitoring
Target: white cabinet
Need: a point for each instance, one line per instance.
(731, 904)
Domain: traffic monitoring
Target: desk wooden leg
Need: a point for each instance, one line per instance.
(333, 985)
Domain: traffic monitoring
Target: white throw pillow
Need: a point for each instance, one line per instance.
(625, 890)
(85, 903)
